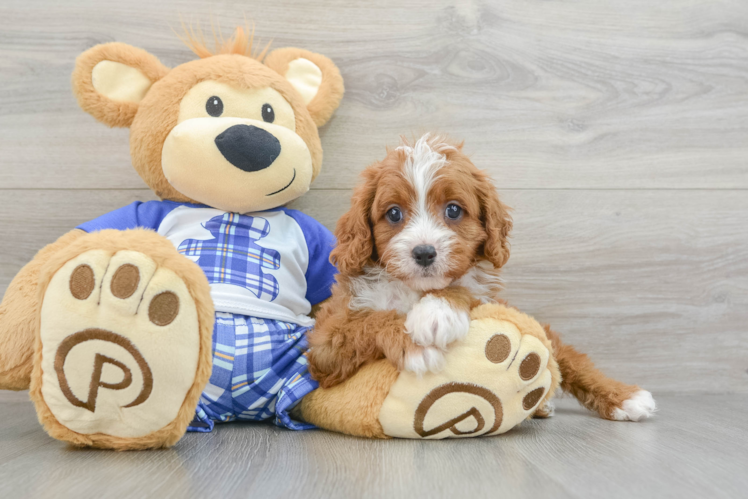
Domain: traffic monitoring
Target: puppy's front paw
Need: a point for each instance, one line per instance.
(420, 360)
(433, 321)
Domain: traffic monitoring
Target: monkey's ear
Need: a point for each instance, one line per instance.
(111, 79)
(314, 76)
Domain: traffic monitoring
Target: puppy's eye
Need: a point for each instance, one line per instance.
(394, 215)
(267, 113)
(453, 212)
(214, 106)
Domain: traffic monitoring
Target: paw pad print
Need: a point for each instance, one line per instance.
(493, 379)
(120, 344)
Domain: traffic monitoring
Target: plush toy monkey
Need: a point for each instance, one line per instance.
(194, 309)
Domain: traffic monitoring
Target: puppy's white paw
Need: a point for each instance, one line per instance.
(433, 321)
(424, 359)
(640, 405)
(546, 411)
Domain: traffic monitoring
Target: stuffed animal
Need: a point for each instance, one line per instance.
(180, 313)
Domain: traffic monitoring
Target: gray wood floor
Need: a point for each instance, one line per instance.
(618, 131)
(697, 446)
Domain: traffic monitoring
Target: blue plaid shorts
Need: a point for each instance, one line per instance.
(259, 373)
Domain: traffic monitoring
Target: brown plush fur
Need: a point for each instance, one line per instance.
(18, 314)
(165, 255)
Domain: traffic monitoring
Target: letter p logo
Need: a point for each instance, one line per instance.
(100, 360)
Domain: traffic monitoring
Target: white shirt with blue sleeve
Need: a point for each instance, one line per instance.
(272, 264)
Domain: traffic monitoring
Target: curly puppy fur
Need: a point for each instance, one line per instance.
(379, 288)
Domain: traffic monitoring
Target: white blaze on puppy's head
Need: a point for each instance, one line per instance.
(426, 215)
(424, 231)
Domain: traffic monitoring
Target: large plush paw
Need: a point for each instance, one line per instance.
(120, 348)
(640, 405)
(492, 380)
(434, 322)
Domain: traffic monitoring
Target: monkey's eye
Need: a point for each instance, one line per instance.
(453, 211)
(394, 215)
(214, 106)
(267, 113)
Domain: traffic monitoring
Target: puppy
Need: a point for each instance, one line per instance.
(422, 244)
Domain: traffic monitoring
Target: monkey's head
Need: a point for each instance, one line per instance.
(232, 131)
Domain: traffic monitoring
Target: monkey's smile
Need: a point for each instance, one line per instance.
(286, 186)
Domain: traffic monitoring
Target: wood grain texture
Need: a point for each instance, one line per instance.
(694, 447)
(652, 284)
(618, 131)
(552, 94)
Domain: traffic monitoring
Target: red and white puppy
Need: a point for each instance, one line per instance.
(422, 244)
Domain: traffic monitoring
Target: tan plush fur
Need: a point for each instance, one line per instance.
(160, 109)
(155, 116)
(114, 114)
(151, 119)
(240, 43)
(18, 314)
(353, 406)
(328, 96)
(163, 253)
(528, 326)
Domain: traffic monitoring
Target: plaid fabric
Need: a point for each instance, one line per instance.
(259, 373)
(233, 255)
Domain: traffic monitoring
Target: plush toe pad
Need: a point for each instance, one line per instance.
(493, 379)
(120, 344)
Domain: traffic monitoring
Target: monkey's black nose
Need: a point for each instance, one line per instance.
(424, 255)
(248, 148)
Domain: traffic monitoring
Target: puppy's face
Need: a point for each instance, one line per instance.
(430, 216)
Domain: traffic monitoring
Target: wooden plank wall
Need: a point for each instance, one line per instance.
(618, 131)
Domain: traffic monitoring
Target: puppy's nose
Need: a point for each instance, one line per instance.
(424, 255)
(248, 148)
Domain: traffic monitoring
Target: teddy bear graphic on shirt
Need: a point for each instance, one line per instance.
(233, 255)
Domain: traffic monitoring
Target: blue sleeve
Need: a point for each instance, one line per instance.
(320, 274)
(137, 214)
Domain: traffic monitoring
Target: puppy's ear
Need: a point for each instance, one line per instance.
(496, 221)
(111, 79)
(355, 242)
(314, 76)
